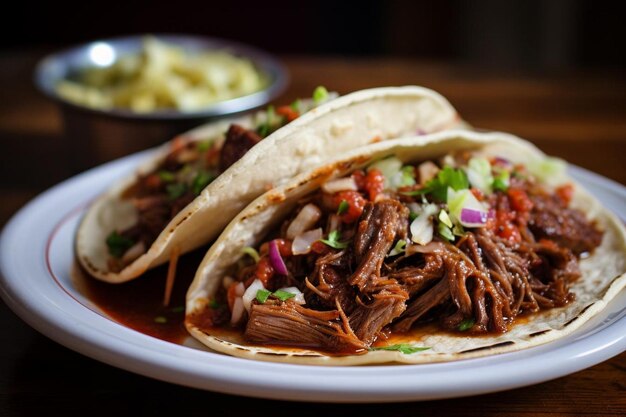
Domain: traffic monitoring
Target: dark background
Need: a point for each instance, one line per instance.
(529, 35)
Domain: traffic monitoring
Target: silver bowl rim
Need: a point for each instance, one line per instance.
(45, 79)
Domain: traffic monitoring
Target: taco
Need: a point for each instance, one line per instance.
(188, 190)
(425, 249)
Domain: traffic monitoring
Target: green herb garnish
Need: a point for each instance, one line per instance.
(320, 94)
(408, 176)
(343, 207)
(333, 240)
(296, 105)
(283, 295)
(438, 186)
(501, 181)
(166, 176)
(160, 320)
(262, 296)
(118, 244)
(405, 348)
(412, 216)
(466, 324)
(250, 251)
(200, 181)
(176, 190)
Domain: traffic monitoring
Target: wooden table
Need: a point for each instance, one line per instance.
(577, 116)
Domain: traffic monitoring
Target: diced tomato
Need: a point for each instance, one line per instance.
(359, 179)
(152, 181)
(519, 200)
(374, 183)
(355, 201)
(565, 193)
(504, 225)
(284, 247)
(289, 113)
(320, 248)
(264, 271)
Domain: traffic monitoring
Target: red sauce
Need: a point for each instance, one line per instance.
(138, 304)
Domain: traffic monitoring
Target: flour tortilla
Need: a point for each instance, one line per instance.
(335, 127)
(603, 272)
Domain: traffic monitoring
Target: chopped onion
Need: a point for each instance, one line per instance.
(238, 308)
(299, 298)
(422, 226)
(333, 222)
(473, 218)
(342, 184)
(308, 216)
(302, 244)
(390, 168)
(276, 260)
(427, 171)
(250, 293)
(479, 174)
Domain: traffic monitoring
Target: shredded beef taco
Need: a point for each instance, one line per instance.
(192, 187)
(425, 249)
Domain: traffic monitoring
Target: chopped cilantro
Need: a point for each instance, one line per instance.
(501, 181)
(250, 251)
(405, 348)
(175, 190)
(466, 324)
(320, 94)
(118, 244)
(438, 186)
(160, 320)
(333, 240)
(166, 176)
(283, 295)
(200, 181)
(262, 296)
(343, 207)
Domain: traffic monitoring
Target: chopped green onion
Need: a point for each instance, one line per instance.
(407, 176)
(203, 146)
(405, 348)
(448, 177)
(501, 181)
(166, 176)
(160, 320)
(262, 296)
(178, 309)
(320, 94)
(250, 251)
(200, 181)
(333, 240)
(444, 218)
(466, 324)
(175, 190)
(343, 207)
(118, 244)
(445, 232)
(398, 249)
(283, 295)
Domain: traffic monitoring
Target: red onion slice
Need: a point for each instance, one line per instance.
(473, 218)
(276, 260)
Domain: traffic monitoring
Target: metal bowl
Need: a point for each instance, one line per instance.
(95, 135)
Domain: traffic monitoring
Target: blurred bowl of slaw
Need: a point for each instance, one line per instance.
(121, 95)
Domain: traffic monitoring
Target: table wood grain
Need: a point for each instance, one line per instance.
(579, 116)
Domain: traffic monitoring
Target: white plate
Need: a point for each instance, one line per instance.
(36, 256)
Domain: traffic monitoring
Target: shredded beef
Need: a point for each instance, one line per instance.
(551, 219)
(238, 141)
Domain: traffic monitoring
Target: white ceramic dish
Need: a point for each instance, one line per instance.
(36, 256)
